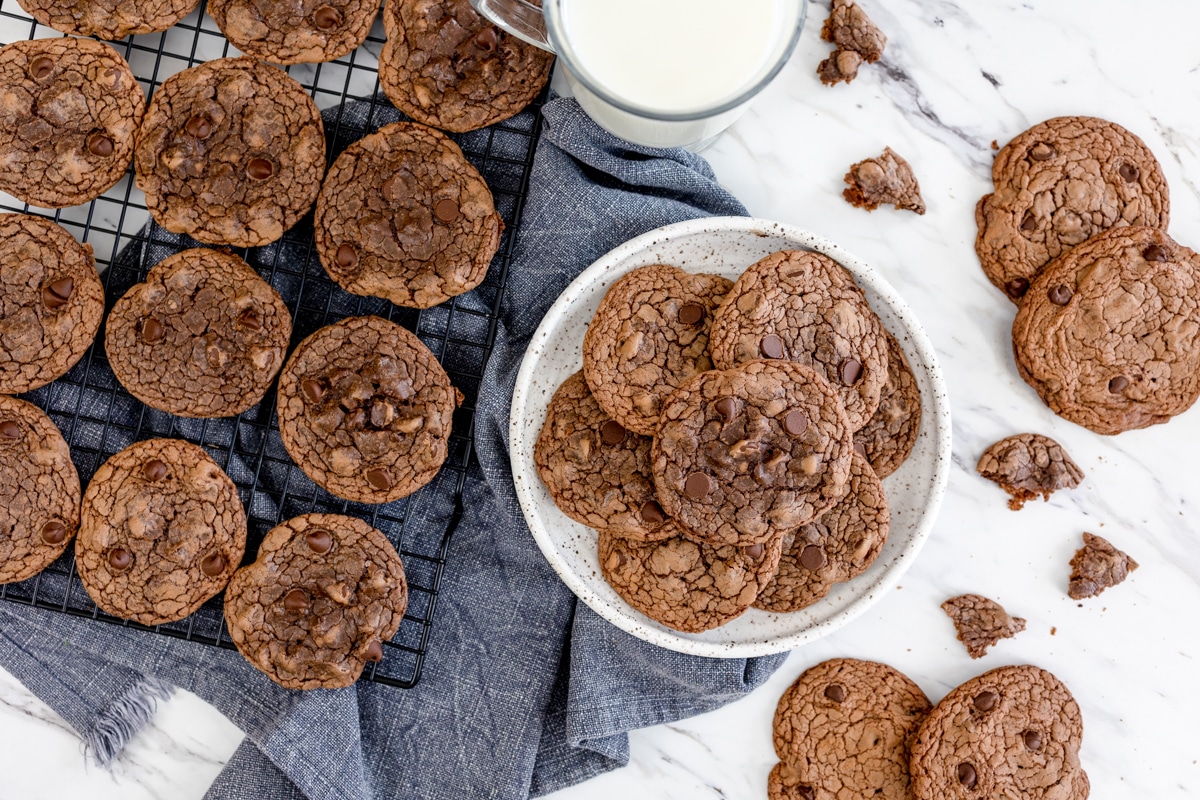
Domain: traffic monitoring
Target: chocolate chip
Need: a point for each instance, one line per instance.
(1059, 295)
(259, 169)
(382, 414)
(319, 541)
(152, 330)
(771, 346)
(812, 558)
(487, 40)
(56, 293)
(1017, 288)
(1129, 172)
(691, 314)
(986, 700)
(100, 145)
(379, 479)
(374, 651)
(347, 256)
(41, 67)
(213, 564)
(154, 470)
(10, 430)
(860, 448)
(1156, 253)
(967, 776)
(54, 532)
(850, 371)
(796, 422)
(1033, 740)
(755, 551)
(1028, 222)
(612, 432)
(806, 793)
(296, 600)
(327, 18)
(726, 407)
(119, 559)
(835, 692)
(653, 513)
(446, 210)
(249, 320)
(697, 486)
(199, 127)
(1118, 384)
(1042, 152)
(313, 390)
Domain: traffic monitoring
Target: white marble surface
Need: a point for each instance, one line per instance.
(1129, 656)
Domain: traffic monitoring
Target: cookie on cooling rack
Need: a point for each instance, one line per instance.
(294, 33)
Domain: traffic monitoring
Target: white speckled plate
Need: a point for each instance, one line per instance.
(725, 246)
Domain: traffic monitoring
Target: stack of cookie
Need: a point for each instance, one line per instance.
(727, 440)
(1109, 305)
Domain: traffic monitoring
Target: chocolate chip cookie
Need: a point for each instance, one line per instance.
(748, 454)
(1011, 732)
(162, 531)
(804, 307)
(316, 606)
(685, 584)
(597, 472)
(108, 19)
(444, 65)
(843, 729)
(1097, 566)
(39, 491)
(294, 33)
(888, 438)
(203, 336)
(649, 335)
(1109, 334)
(857, 38)
(980, 622)
(1028, 465)
(404, 216)
(231, 152)
(51, 302)
(886, 179)
(365, 410)
(838, 546)
(1058, 184)
(69, 112)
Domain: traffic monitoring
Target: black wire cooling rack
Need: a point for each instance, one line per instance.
(99, 418)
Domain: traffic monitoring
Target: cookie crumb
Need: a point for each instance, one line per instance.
(886, 179)
(981, 622)
(1053, 631)
(1096, 566)
(995, 145)
(1028, 465)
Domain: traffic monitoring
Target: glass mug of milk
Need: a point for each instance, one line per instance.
(662, 73)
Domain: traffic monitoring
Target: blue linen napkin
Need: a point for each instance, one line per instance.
(524, 690)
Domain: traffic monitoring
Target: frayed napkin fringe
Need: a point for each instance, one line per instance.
(121, 721)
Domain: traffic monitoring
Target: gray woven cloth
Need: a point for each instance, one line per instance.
(524, 690)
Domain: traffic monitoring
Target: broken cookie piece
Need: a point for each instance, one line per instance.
(1096, 566)
(841, 67)
(1028, 465)
(981, 622)
(857, 40)
(886, 179)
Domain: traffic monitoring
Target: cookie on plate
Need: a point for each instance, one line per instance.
(365, 410)
(685, 584)
(294, 33)
(444, 65)
(202, 336)
(231, 152)
(888, 438)
(1011, 732)
(1058, 184)
(1028, 465)
(69, 112)
(108, 19)
(597, 472)
(649, 335)
(1109, 334)
(316, 606)
(163, 530)
(804, 307)
(843, 730)
(747, 454)
(404, 216)
(39, 491)
(51, 302)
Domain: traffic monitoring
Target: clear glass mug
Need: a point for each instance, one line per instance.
(640, 122)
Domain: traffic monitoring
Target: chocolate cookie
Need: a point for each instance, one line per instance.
(203, 336)
(1096, 566)
(404, 216)
(294, 33)
(1011, 732)
(843, 729)
(1028, 465)
(69, 112)
(446, 66)
(685, 584)
(804, 307)
(108, 19)
(649, 335)
(365, 410)
(980, 622)
(162, 531)
(324, 594)
(748, 454)
(890, 434)
(838, 546)
(1058, 184)
(596, 471)
(39, 491)
(886, 179)
(51, 302)
(231, 152)
(1109, 334)
(858, 39)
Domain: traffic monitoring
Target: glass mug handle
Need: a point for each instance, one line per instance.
(519, 17)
